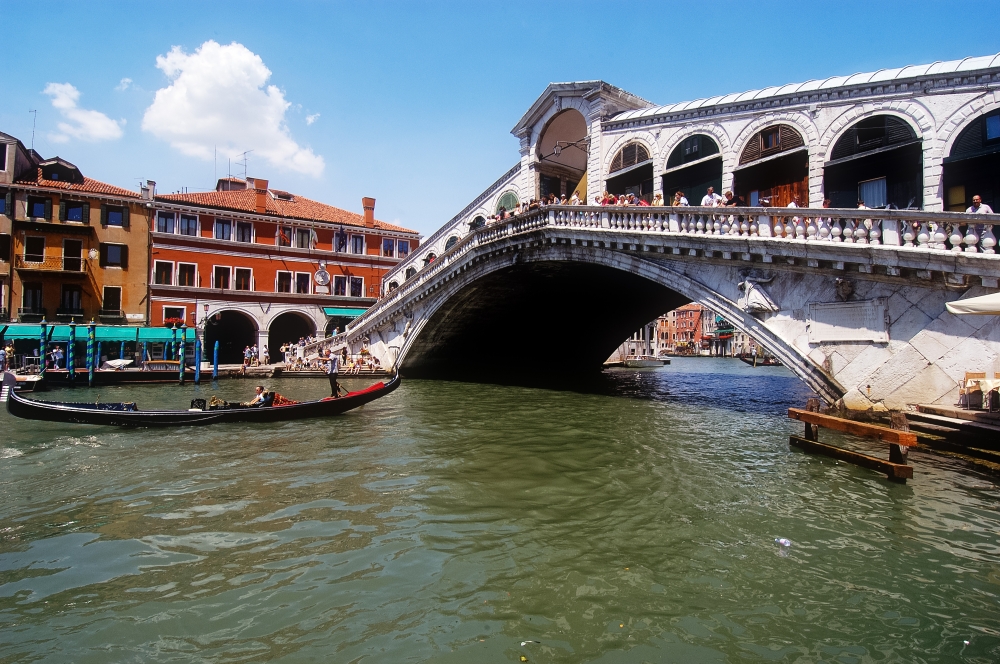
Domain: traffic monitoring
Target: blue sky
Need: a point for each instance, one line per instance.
(409, 102)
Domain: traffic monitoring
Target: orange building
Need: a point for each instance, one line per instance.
(681, 329)
(246, 264)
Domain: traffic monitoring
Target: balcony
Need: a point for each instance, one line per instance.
(111, 316)
(69, 312)
(31, 314)
(63, 265)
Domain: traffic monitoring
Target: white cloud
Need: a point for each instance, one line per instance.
(80, 123)
(123, 84)
(312, 118)
(217, 98)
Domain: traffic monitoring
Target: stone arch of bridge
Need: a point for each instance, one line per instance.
(536, 307)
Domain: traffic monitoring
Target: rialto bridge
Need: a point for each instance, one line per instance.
(854, 305)
(862, 321)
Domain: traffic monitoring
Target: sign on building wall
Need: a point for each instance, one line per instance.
(849, 321)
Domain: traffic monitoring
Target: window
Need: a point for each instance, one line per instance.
(186, 274)
(244, 231)
(112, 300)
(477, 223)
(163, 273)
(357, 287)
(284, 236)
(74, 211)
(40, 208)
(283, 284)
(452, 241)
(357, 244)
(71, 300)
(388, 247)
(244, 278)
(72, 252)
(31, 298)
(410, 271)
(175, 315)
(630, 155)
(303, 237)
(165, 222)
(402, 248)
(992, 127)
(4, 250)
(189, 224)
(34, 249)
(4, 197)
(114, 255)
(340, 286)
(873, 193)
(115, 216)
(223, 229)
(302, 280)
(340, 241)
(770, 139)
(220, 277)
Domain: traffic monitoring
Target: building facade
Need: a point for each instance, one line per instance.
(924, 136)
(71, 248)
(247, 264)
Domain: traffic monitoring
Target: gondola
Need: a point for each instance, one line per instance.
(760, 361)
(128, 415)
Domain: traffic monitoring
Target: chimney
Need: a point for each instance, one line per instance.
(369, 205)
(148, 190)
(260, 190)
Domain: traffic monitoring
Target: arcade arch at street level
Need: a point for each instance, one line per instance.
(234, 330)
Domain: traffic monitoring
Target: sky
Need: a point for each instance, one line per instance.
(409, 102)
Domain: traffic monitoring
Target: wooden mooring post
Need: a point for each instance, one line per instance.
(898, 438)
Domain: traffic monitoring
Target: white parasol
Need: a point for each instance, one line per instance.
(984, 305)
(116, 364)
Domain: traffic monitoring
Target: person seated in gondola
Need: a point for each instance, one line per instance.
(261, 399)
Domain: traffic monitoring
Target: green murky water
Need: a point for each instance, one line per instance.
(630, 521)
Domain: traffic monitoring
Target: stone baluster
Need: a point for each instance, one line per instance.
(955, 238)
(909, 234)
(836, 232)
(823, 229)
(778, 229)
(716, 225)
(812, 229)
(989, 240)
(938, 236)
(849, 228)
(924, 236)
(754, 229)
(744, 226)
(875, 234)
(861, 231)
(971, 239)
(726, 228)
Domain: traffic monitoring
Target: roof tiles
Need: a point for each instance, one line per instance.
(87, 186)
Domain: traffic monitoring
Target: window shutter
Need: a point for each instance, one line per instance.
(104, 253)
(62, 210)
(86, 213)
(48, 209)
(104, 214)
(125, 216)
(125, 257)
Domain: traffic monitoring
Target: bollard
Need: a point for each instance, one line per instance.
(197, 361)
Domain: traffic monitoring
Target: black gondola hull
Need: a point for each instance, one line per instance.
(70, 413)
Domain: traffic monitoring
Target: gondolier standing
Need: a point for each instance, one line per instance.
(332, 368)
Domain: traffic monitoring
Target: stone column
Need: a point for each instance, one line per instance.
(933, 176)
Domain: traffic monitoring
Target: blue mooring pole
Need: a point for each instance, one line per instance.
(71, 353)
(91, 335)
(197, 361)
(215, 362)
(180, 354)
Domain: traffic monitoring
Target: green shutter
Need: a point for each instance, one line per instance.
(86, 213)
(125, 257)
(48, 209)
(104, 214)
(62, 210)
(125, 216)
(103, 254)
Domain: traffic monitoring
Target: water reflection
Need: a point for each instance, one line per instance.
(632, 519)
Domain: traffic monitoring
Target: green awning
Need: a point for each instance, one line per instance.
(102, 333)
(344, 311)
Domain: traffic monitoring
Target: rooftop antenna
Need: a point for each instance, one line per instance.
(245, 160)
(34, 113)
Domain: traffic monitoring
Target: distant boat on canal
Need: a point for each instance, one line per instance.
(644, 361)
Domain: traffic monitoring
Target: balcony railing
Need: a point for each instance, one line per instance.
(31, 314)
(111, 314)
(50, 263)
(67, 312)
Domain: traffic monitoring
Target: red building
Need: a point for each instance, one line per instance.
(246, 264)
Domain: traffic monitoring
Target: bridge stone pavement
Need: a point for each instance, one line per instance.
(862, 322)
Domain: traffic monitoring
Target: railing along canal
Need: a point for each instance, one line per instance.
(914, 230)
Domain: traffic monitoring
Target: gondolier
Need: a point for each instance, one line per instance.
(332, 366)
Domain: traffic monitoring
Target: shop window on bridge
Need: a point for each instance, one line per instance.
(410, 272)
(693, 167)
(878, 160)
(508, 202)
(477, 223)
(631, 172)
(970, 168)
(774, 168)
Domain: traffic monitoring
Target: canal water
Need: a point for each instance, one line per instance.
(629, 519)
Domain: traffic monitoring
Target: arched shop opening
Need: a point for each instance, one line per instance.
(693, 167)
(234, 331)
(773, 168)
(878, 160)
(288, 327)
(507, 202)
(562, 151)
(478, 223)
(631, 172)
(972, 165)
(452, 241)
